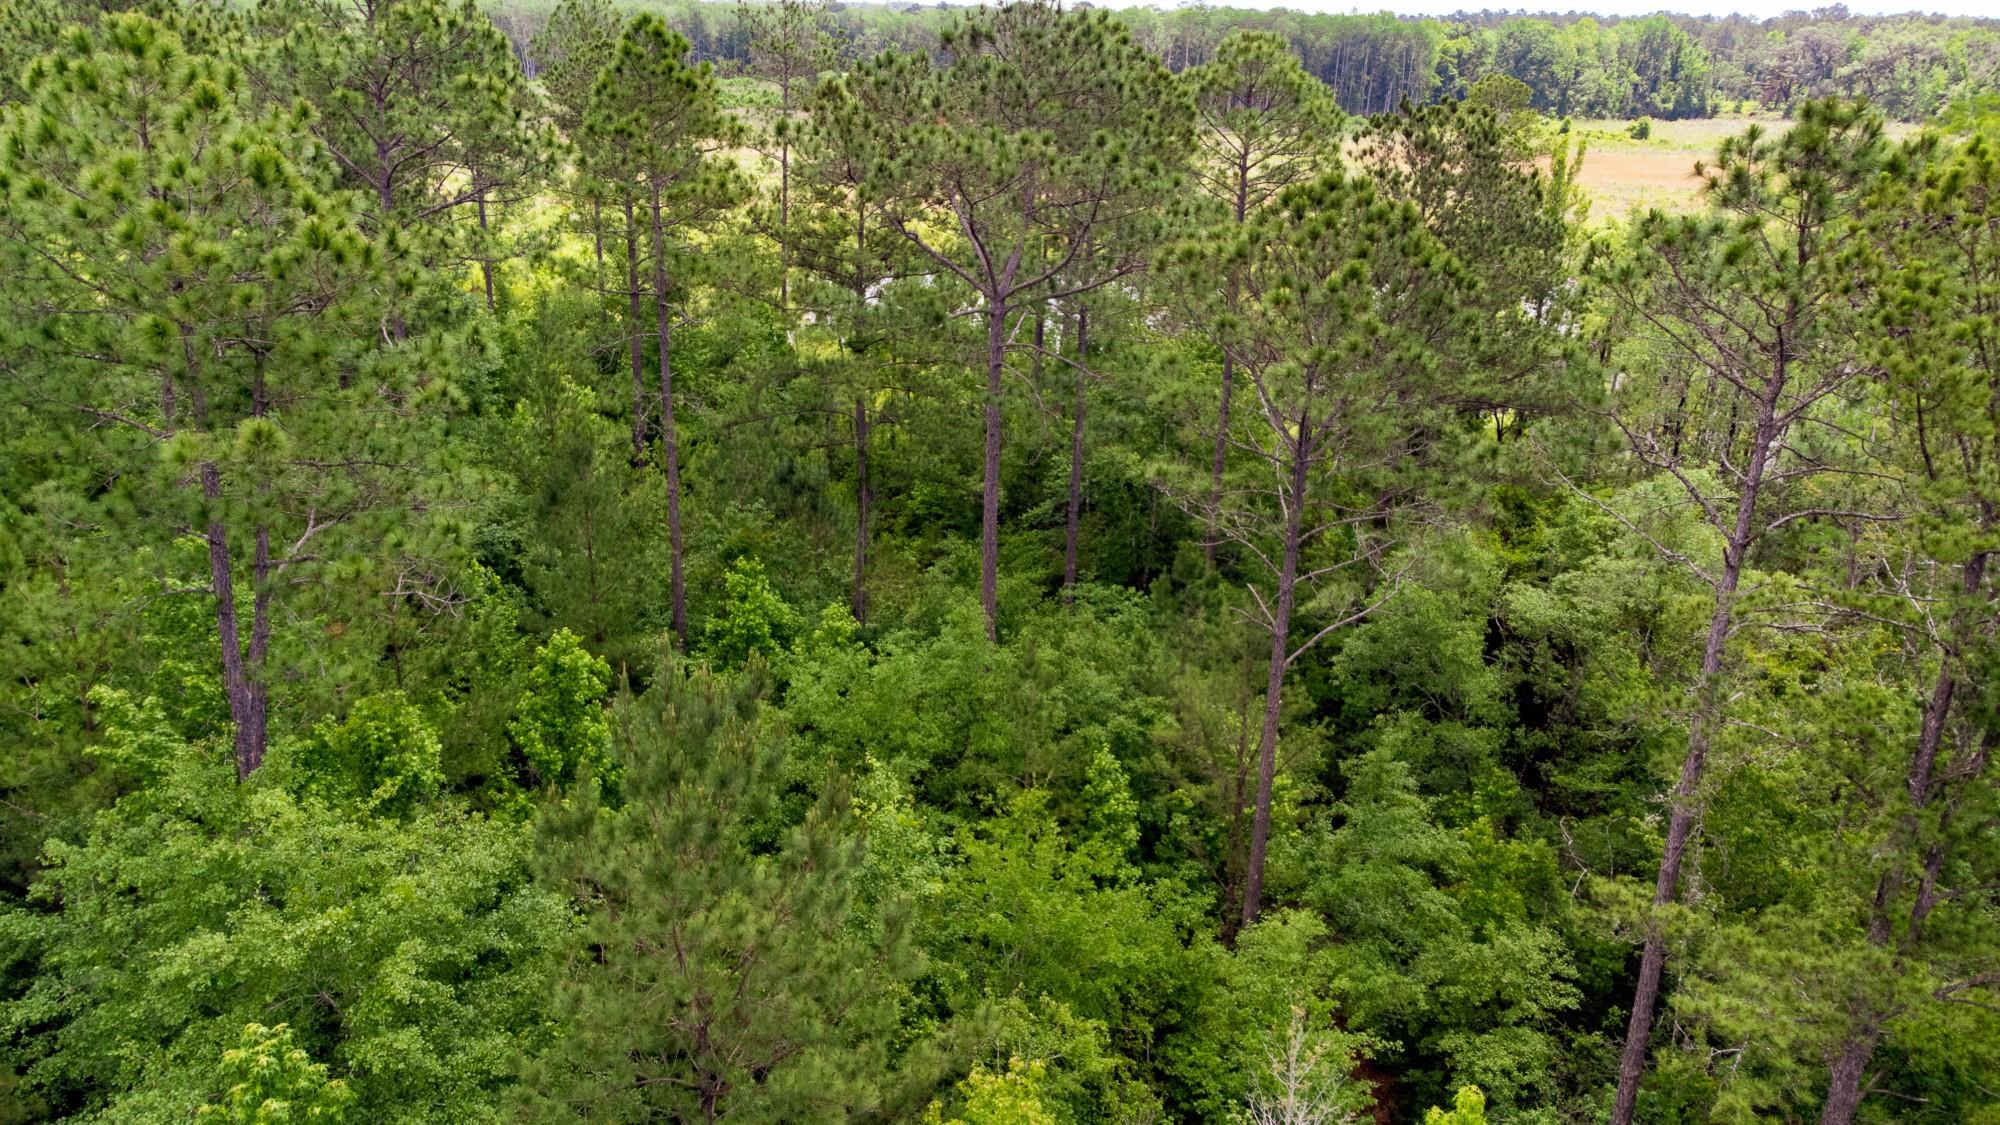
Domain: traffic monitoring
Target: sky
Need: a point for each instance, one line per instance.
(1758, 8)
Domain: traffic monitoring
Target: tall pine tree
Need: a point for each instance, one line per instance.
(187, 288)
(1006, 165)
(655, 138)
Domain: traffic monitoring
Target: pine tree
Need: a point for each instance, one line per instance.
(1044, 130)
(228, 330)
(840, 240)
(1929, 948)
(654, 138)
(570, 51)
(1744, 308)
(1263, 124)
(1481, 192)
(423, 106)
(721, 970)
(1333, 302)
(791, 42)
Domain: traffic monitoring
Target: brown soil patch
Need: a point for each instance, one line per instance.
(1612, 169)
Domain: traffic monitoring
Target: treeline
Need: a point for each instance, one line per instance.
(1668, 66)
(1000, 582)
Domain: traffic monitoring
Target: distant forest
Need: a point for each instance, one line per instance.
(1911, 67)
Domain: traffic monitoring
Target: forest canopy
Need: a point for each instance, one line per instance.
(1911, 67)
(802, 562)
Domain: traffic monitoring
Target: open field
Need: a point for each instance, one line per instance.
(1621, 173)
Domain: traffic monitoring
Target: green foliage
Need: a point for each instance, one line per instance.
(384, 755)
(962, 719)
(720, 965)
(139, 740)
(392, 385)
(999, 1099)
(274, 1082)
(422, 107)
(572, 48)
(1433, 952)
(409, 955)
(1468, 1108)
(752, 619)
(1114, 953)
(1265, 123)
(1267, 1034)
(559, 726)
(215, 355)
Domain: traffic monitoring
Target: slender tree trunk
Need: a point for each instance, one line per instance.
(785, 209)
(1220, 459)
(1849, 1068)
(260, 640)
(1216, 465)
(260, 596)
(632, 334)
(989, 500)
(1235, 847)
(1075, 458)
(1930, 737)
(669, 439)
(1274, 682)
(245, 705)
(862, 499)
(597, 236)
(1685, 810)
(385, 195)
(1041, 341)
(485, 257)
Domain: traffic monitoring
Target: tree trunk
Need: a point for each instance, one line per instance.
(1215, 467)
(245, 704)
(989, 500)
(632, 335)
(597, 237)
(1274, 681)
(1221, 454)
(385, 195)
(862, 500)
(785, 212)
(1844, 1092)
(1075, 459)
(1685, 812)
(485, 257)
(260, 639)
(1041, 341)
(669, 438)
(1236, 847)
(1844, 1078)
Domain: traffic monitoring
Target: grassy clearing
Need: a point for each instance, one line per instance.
(1622, 174)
